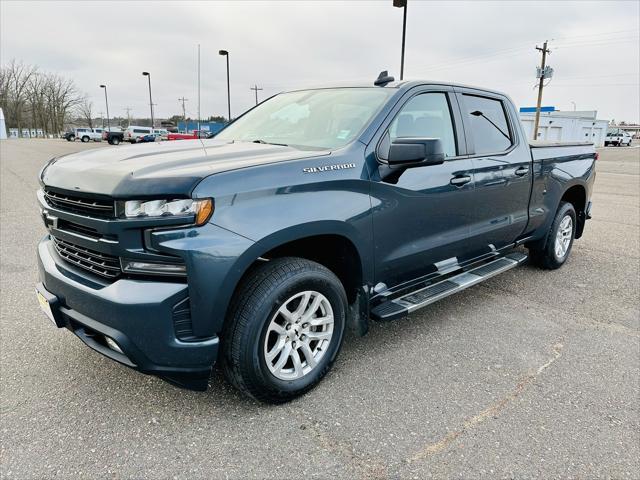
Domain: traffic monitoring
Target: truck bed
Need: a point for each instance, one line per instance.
(541, 150)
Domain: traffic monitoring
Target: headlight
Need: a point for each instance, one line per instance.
(201, 208)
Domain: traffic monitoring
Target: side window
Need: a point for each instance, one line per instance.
(428, 116)
(489, 124)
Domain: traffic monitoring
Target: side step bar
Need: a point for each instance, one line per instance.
(412, 301)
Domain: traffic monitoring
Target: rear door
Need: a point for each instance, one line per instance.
(502, 167)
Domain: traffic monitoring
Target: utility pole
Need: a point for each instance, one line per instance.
(184, 112)
(255, 89)
(101, 118)
(544, 51)
(128, 110)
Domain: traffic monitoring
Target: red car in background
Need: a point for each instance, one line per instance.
(190, 136)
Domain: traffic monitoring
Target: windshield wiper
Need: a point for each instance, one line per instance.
(269, 143)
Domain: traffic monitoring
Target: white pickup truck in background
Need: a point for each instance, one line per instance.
(618, 138)
(86, 134)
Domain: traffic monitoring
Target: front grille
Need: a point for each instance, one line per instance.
(106, 266)
(80, 204)
(77, 228)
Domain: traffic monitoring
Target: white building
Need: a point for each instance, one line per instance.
(560, 126)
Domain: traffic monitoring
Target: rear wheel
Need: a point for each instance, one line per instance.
(115, 141)
(284, 329)
(559, 240)
(85, 139)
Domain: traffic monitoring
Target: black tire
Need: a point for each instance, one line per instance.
(85, 139)
(545, 255)
(255, 303)
(115, 141)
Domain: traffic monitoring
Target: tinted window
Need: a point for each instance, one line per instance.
(426, 116)
(139, 130)
(489, 125)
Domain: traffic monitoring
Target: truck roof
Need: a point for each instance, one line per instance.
(400, 85)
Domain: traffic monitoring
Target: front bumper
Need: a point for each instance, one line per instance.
(136, 314)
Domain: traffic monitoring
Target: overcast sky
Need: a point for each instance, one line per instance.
(279, 46)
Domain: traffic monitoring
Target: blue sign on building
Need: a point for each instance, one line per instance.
(212, 127)
(533, 109)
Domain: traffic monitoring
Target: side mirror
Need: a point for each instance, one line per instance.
(410, 152)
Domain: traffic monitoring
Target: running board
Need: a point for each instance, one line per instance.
(412, 301)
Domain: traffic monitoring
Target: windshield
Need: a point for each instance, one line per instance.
(316, 119)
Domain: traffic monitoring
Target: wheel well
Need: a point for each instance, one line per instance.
(335, 252)
(577, 196)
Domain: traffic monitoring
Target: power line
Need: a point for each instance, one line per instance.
(597, 34)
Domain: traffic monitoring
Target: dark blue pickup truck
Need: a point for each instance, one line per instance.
(315, 211)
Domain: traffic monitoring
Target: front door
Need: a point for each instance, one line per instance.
(502, 171)
(421, 217)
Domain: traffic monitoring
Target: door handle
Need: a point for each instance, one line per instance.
(522, 171)
(460, 180)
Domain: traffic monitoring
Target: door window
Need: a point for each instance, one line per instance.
(426, 116)
(489, 124)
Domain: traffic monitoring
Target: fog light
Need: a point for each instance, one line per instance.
(111, 343)
(153, 268)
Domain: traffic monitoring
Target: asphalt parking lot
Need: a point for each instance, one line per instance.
(531, 374)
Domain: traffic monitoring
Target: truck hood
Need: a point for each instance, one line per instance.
(163, 168)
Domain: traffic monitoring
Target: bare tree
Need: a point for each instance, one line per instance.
(14, 89)
(85, 111)
(37, 100)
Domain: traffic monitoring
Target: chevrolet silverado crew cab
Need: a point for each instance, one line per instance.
(315, 211)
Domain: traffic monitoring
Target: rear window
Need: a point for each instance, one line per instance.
(489, 124)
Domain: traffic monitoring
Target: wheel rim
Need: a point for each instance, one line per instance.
(298, 335)
(563, 237)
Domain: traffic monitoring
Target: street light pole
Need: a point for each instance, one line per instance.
(402, 4)
(106, 101)
(148, 75)
(225, 53)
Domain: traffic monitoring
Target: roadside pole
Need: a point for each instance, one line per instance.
(184, 112)
(544, 51)
(255, 88)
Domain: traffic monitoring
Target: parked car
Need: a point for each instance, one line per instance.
(87, 134)
(152, 137)
(134, 133)
(113, 135)
(69, 135)
(618, 138)
(181, 136)
(190, 136)
(162, 133)
(315, 210)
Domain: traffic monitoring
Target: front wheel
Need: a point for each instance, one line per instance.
(115, 141)
(284, 329)
(559, 240)
(85, 139)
